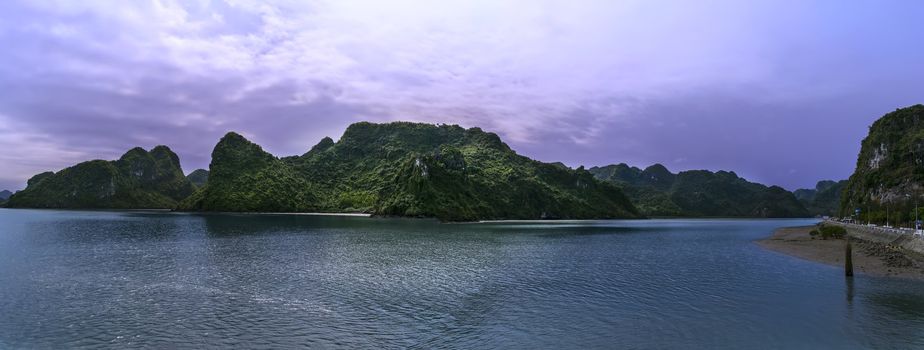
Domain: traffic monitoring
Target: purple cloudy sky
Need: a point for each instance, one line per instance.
(781, 92)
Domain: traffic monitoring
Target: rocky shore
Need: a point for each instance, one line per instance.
(869, 257)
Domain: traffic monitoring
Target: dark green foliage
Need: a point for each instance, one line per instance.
(658, 192)
(39, 177)
(804, 195)
(649, 189)
(824, 199)
(139, 179)
(322, 146)
(889, 174)
(198, 177)
(244, 178)
(829, 231)
(408, 169)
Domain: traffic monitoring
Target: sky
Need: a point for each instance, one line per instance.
(779, 91)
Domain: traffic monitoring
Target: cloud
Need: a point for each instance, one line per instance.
(592, 83)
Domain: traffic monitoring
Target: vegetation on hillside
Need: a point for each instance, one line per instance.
(139, 179)
(699, 193)
(244, 178)
(824, 199)
(405, 169)
(198, 177)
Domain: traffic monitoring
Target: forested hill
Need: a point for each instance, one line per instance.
(824, 199)
(405, 169)
(699, 193)
(138, 180)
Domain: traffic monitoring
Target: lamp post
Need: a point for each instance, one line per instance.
(916, 228)
(914, 163)
(915, 225)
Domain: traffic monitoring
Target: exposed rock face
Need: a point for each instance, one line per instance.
(658, 192)
(139, 179)
(889, 174)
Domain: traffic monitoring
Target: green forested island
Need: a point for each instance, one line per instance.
(888, 179)
(139, 179)
(699, 193)
(403, 169)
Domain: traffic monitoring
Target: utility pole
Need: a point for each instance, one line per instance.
(914, 191)
(916, 228)
(914, 187)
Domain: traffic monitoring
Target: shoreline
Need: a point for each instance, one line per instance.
(869, 258)
(171, 211)
(364, 215)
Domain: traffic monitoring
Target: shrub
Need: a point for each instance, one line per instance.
(836, 232)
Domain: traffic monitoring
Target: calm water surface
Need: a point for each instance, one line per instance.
(134, 279)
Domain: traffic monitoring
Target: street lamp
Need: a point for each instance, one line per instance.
(917, 226)
(914, 163)
(887, 213)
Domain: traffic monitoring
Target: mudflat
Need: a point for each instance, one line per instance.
(870, 258)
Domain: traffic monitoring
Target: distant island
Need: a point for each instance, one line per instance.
(138, 180)
(824, 199)
(4, 196)
(400, 169)
(700, 193)
(416, 170)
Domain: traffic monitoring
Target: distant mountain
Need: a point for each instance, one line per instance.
(699, 193)
(4, 196)
(405, 169)
(890, 169)
(139, 179)
(198, 177)
(824, 199)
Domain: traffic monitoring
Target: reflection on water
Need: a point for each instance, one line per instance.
(70, 279)
(850, 291)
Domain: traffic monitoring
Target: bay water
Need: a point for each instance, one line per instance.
(97, 279)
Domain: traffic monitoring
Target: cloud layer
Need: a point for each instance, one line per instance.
(780, 92)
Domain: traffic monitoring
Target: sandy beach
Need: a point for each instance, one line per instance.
(869, 258)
